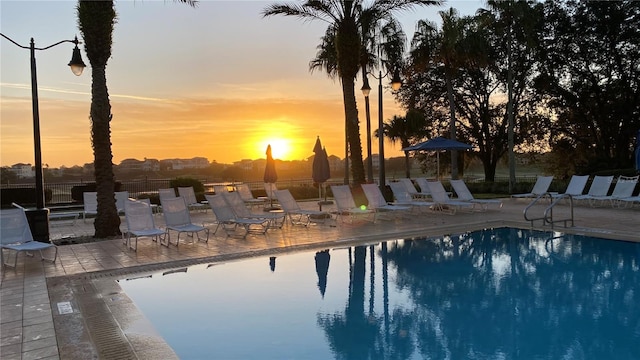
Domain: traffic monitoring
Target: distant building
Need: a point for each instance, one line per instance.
(23, 171)
(181, 164)
(138, 165)
(244, 164)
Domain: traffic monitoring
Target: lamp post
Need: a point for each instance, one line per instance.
(40, 217)
(366, 90)
(396, 82)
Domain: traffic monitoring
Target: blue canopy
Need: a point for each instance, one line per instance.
(439, 143)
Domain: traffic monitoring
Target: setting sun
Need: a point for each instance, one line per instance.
(280, 148)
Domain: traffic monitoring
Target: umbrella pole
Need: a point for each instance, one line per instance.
(438, 165)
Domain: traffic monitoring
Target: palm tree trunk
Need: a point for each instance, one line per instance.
(107, 222)
(353, 130)
(452, 126)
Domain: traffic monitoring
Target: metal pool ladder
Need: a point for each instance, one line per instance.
(547, 217)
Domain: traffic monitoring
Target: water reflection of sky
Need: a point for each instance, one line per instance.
(493, 294)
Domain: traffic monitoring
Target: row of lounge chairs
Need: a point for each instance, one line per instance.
(599, 193)
(432, 195)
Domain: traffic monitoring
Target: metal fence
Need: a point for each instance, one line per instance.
(61, 192)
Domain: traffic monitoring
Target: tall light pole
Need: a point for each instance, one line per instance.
(396, 82)
(41, 215)
(366, 90)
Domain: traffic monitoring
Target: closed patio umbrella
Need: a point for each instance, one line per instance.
(270, 175)
(438, 144)
(320, 171)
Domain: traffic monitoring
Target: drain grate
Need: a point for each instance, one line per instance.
(105, 333)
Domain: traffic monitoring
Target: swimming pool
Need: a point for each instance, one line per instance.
(492, 294)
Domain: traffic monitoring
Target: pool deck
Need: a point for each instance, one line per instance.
(73, 308)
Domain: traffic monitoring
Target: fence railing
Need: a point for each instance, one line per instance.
(61, 192)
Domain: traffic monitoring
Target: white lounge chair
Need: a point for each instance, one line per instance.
(442, 200)
(403, 197)
(233, 199)
(539, 188)
(623, 189)
(177, 218)
(140, 222)
(15, 235)
(90, 200)
(346, 205)
(227, 218)
(247, 196)
(220, 189)
(296, 214)
(599, 189)
(378, 203)
(189, 196)
(270, 189)
(424, 188)
(576, 186)
(463, 194)
(167, 193)
(121, 197)
(411, 188)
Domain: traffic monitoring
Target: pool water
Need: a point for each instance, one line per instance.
(493, 294)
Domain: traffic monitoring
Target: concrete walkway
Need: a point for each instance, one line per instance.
(73, 308)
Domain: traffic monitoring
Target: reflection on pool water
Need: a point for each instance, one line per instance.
(492, 294)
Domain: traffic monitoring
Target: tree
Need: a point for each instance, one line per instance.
(591, 80)
(342, 48)
(96, 20)
(406, 129)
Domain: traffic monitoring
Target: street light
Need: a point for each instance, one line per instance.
(366, 89)
(396, 82)
(41, 215)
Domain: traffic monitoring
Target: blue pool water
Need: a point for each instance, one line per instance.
(492, 294)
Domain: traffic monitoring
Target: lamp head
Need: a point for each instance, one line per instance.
(76, 63)
(396, 82)
(366, 89)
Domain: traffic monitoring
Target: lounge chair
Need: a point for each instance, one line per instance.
(177, 218)
(576, 186)
(424, 188)
(411, 189)
(140, 222)
(15, 235)
(403, 197)
(227, 218)
(270, 189)
(121, 197)
(233, 199)
(623, 189)
(463, 194)
(168, 193)
(442, 200)
(247, 196)
(90, 200)
(190, 198)
(599, 189)
(539, 188)
(378, 203)
(293, 211)
(220, 189)
(346, 206)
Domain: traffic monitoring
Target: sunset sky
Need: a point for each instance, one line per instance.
(217, 81)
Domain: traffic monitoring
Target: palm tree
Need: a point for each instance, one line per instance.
(406, 129)
(444, 48)
(96, 20)
(345, 37)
